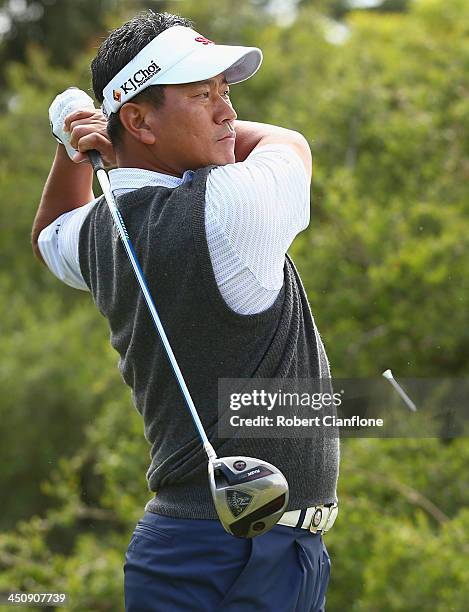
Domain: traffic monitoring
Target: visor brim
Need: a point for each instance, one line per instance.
(236, 63)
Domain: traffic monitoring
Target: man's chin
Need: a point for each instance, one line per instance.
(223, 160)
(216, 160)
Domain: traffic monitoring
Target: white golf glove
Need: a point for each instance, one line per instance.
(64, 104)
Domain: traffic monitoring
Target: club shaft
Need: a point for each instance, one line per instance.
(124, 236)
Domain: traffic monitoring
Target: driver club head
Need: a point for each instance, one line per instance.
(250, 495)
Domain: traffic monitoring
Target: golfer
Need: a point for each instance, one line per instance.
(211, 204)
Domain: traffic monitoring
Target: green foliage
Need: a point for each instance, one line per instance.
(386, 114)
(403, 515)
(42, 23)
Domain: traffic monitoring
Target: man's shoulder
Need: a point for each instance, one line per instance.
(269, 173)
(267, 163)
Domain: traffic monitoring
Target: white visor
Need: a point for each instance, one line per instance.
(179, 55)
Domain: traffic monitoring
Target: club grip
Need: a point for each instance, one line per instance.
(96, 160)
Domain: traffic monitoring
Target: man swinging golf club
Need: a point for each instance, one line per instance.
(207, 207)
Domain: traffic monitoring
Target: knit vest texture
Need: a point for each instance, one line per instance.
(209, 340)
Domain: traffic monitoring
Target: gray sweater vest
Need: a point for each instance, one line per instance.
(210, 341)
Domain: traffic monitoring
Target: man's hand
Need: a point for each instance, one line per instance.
(79, 127)
(75, 123)
(87, 129)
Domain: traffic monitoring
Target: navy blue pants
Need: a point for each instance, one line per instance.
(183, 565)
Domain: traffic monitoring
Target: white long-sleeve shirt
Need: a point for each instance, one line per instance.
(253, 211)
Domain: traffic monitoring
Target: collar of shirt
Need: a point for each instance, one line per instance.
(124, 180)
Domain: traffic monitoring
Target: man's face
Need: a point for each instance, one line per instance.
(191, 124)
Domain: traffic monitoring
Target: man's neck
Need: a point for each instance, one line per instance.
(129, 160)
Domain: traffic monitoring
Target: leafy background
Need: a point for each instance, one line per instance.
(382, 94)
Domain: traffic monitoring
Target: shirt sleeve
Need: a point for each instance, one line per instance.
(58, 244)
(261, 205)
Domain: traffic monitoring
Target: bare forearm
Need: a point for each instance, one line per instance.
(249, 134)
(68, 186)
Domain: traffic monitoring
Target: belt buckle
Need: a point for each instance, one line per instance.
(316, 518)
(322, 521)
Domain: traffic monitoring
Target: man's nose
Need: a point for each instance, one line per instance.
(225, 111)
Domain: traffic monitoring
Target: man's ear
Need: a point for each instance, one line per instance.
(134, 117)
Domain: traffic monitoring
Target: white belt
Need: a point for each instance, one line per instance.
(317, 518)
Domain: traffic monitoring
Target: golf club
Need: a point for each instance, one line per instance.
(250, 495)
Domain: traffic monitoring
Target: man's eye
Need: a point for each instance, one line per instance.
(206, 94)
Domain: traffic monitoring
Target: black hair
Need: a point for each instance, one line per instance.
(119, 48)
